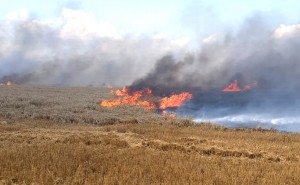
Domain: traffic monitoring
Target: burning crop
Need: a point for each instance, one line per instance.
(126, 97)
(122, 92)
(9, 83)
(174, 101)
(234, 87)
(166, 114)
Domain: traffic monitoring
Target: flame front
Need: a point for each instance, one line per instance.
(123, 92)
(126, 97)
(175, 100)
(233, 87)
(166, 114)
(9, 83)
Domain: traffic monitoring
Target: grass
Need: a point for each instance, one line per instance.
(52, 149)
(72, 105)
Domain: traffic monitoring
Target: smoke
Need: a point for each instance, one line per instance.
(64, 52)
(75, 50)
(254, 53)
(257, 52)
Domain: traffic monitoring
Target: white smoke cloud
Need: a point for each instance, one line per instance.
(210, 39)
(250, 54)
(78, 23)
(76, 49)
(257, 120)
(286, 30)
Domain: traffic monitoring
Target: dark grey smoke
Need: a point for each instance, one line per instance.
(253, 53)
(32, 52)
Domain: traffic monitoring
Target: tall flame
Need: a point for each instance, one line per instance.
(175, 100)
(233, 87)
(123, 92)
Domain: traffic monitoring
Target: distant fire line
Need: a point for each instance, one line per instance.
(9, 83)
(233, 87)
(126, 97)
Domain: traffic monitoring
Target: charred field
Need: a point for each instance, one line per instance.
(60, 135)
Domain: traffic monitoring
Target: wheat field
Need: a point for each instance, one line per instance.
(55, 135)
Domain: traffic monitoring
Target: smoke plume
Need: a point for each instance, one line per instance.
(64, 53)
(255, 53)
(74, 50)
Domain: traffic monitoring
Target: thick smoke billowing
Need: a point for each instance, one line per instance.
(255, 53)
(36, 52)
(75, 50)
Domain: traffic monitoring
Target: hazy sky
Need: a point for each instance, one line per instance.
(168, 18)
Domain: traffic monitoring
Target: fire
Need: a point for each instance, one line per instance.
(175, 100)
(9, 83)
(233, 87)
(166, 114)
(129, 98)
(172, 115)
(126, 92)
(123, 92)
(126, 97)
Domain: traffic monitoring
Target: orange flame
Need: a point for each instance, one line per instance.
(9, 83)
(128, 100)
(166, 114)
(126, 97)
(123, 92)
(172, 115)
(233, 87)
(109, 86)
(175, 100)
(126, 92)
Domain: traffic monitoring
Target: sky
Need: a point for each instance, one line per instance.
(169, 18)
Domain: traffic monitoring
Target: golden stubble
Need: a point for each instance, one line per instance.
(45, 152)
